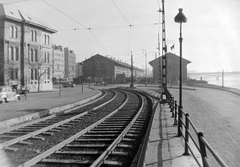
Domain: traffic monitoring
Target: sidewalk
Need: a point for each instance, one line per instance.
(165, 149)
(41, 104)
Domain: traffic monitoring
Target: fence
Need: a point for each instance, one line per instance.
(184, 123)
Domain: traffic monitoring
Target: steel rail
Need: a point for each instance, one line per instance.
(52, 150)
(32, 134)
(112, 146)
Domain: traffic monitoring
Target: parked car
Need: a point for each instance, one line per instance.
(7, 94)
(67, 84)
(20, 90)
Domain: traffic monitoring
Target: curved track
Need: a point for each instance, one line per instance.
(108, 134)
(48, 125)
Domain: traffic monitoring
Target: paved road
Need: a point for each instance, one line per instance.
(216, 113)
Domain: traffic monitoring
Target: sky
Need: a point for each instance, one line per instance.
(119, 28)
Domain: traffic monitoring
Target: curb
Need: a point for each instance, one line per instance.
(28, 117)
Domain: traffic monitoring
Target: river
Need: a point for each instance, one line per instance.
(227, 79)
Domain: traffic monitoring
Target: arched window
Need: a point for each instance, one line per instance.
(31, 35)
(11, 31)
(16, 54)
(31, 55)
(15, 32)
(36, 55)
(45, 57)
(47, 39)
(11, 53)
(35, 36)
(48, 58)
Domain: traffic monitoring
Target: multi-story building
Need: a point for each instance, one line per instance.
(25, 50)
(173, 62)
(79, 73)
(99, 68)
(69, 64)
(58, 62)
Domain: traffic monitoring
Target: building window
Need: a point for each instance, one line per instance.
(48, 73)
(13, 32)
(46, 39)
(14, 73)
(36, 55)
(31, 55)
(16, 54)
(48, 58)
(33, 36)
(11, 53)
(45, 57)
(36, 74)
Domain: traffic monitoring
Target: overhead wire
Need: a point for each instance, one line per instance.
(65, 14)
(110, 27)
(88, 28)
(120, 12)
(130, 26)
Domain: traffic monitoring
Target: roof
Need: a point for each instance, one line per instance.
(168, 55)
(119, 63)
(20, 16)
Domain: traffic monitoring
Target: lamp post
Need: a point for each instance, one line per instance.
(180, 18)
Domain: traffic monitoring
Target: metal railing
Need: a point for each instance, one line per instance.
(184, 123)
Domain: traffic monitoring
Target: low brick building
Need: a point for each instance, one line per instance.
(100, 68)
(173, 68)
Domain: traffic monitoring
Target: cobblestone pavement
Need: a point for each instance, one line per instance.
(216, 113)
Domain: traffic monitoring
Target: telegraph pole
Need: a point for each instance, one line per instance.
(164, 52)
(146, 66)
(131, 85)
(163, 70)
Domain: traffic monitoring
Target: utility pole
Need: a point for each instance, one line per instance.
(22, 57)
(131, 85)
(222, 78)
(146, 66)
(164, 52)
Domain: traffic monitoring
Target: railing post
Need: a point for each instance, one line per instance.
(179, 121)
(202, 148)
(172, 106)
(186, 134)
(175, 115)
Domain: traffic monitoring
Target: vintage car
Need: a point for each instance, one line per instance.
(7, 94)
(67, 84)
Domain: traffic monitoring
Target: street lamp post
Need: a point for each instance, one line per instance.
(180, 18)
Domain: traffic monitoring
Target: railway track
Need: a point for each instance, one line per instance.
(107, 135)
(50, 124)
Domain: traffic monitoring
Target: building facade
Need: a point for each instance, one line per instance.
(58, 62)
(25, 50)
(173, 66)
(79, 72)
(99, 68)
(69, 64)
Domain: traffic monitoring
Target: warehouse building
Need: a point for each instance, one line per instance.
(100, 68)
(173, 65)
